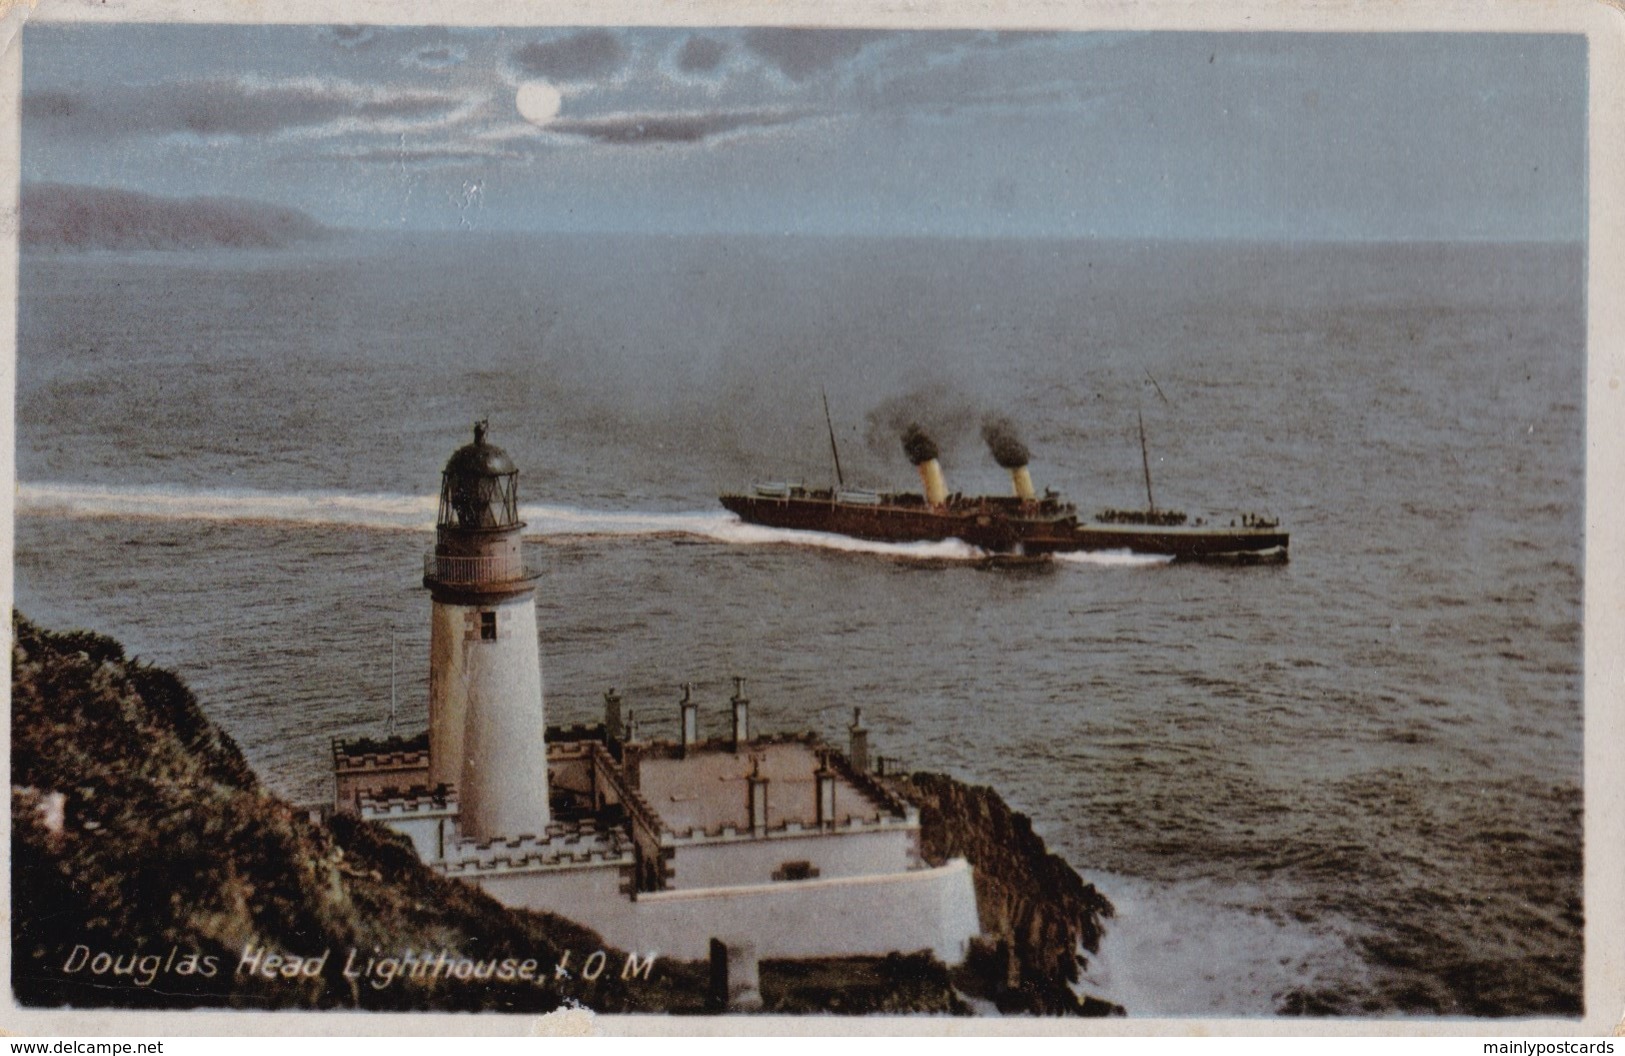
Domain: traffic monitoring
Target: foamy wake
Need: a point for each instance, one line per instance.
(416, 513)
(1118, 558)
(388, 512)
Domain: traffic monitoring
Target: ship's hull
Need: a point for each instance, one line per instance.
(988, 525)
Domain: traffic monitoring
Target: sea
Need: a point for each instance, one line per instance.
(1345, 785)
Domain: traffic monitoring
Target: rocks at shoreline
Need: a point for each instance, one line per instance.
(1036, 912)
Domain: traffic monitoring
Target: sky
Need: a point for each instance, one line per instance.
(833, 132)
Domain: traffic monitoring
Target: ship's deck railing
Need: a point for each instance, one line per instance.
(495, 568)
(778, 489)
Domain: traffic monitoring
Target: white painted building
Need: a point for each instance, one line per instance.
(660, 845)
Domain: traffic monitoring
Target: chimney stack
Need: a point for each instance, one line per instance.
(922, 451)
(612, 715)
(691, 718)
(858, 751)
(826, 792)
(741, 728)
(936, 488)
(631, 727)
(758, 798)
(1009, 452)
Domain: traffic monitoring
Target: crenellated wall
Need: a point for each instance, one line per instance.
(577, 893)
(371, 773)
(854, 851)
(800, 890)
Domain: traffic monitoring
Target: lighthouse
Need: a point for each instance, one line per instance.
(486, 718)
(655, 842)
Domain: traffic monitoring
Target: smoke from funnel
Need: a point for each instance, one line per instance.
(1008, 450)
(922, 451)
(917, 446)
(937, 408)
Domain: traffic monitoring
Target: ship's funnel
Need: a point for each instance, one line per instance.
(1023, 482)
(1009, 452)
(922, 451)
(936, 489)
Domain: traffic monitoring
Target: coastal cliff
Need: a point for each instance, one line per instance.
(1036, 912)
(139, 833)
(150, 869)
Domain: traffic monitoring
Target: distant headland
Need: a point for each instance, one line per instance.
(57, 216)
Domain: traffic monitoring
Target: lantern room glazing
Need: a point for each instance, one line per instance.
(479, 488)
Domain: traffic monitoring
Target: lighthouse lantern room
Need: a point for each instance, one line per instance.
(486, 716)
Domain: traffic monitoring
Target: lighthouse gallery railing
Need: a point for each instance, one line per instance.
(500, 568)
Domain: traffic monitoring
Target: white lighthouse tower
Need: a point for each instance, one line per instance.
(486, 720)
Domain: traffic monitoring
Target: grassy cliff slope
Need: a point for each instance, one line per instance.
(138, 830)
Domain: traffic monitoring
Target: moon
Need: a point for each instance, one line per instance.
(538, 102)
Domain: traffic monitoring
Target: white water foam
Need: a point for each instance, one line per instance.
(1194, 948)
(417, 513)
(1114, 558)
(386, 512)
(723, 527)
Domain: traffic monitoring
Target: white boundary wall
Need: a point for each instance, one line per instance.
(924, 909)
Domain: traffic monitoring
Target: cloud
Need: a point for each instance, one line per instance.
(351, 37)
(462, 145)
(423, 155)
(435, 57)
(239, 108)
(952, 74)
(700, 55)
(54, 106)
(577, 57)
(1012, 38)
(800, 53)
(671, 127)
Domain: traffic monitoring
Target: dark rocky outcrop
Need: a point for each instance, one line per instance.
(138, 830)
(1036, 911)
(896, 984)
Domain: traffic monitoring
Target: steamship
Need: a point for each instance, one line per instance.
(1023, 523)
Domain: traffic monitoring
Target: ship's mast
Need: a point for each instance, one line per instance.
(1145, 461)
(393, 640)
(833, 450)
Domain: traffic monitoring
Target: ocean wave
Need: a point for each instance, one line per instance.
(1202, 947)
